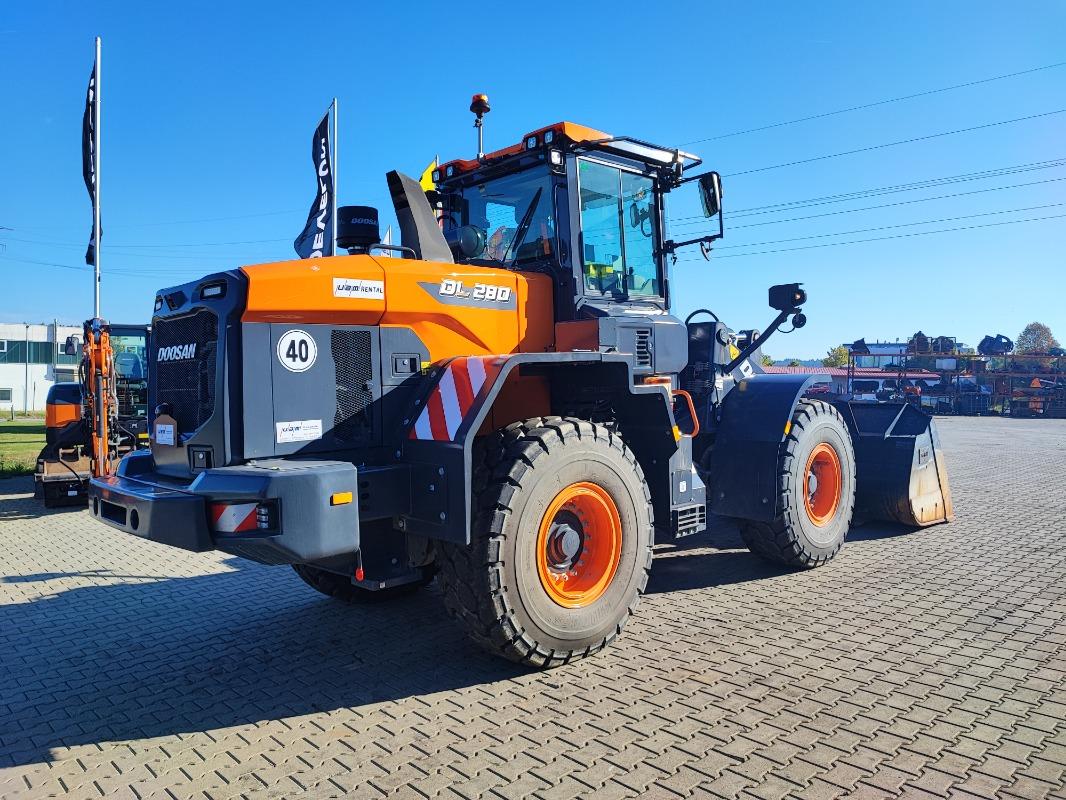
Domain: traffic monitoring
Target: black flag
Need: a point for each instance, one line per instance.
(316, 239)
(88, 154)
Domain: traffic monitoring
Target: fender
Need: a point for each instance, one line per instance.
(754, 421)
(445, 419)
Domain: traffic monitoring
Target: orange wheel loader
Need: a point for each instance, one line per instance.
(504, 402)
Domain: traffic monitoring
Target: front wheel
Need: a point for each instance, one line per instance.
(561, 542)
(815, 491)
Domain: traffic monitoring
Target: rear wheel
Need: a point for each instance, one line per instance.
(816, 491)
(561, 542)
(341, 587)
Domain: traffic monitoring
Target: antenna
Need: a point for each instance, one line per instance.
(479, 105)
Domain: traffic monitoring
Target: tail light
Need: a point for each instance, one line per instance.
(244, 517)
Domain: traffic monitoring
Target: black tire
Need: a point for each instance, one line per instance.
(492, 587)
(341, 588)
(793, 538)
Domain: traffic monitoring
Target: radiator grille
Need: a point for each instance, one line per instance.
(643, 347)
(354, 365)
(188, 385)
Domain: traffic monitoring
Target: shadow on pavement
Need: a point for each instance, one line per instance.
(871, 531)
(163, 656)
(688, 564)
(19, 502)
(176, 655)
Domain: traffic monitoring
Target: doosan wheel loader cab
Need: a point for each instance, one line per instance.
(504, 400)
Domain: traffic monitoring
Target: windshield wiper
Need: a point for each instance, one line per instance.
(523, 226)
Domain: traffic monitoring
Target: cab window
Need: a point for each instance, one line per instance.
(638, 225)
(514, 215)
(618, 222)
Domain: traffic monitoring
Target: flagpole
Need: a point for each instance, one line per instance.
(336, 150)
(96, 185)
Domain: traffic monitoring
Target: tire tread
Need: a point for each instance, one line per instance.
(778, 540)
(471, 576)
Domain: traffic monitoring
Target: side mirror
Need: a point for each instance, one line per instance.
(711, 193)
(72, 346)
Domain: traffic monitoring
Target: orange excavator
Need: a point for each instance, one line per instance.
(94, 421)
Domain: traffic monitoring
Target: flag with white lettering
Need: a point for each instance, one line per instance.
(316, 239)
(89, 122)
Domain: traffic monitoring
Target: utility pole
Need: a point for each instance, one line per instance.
(26, 381)
(96, 186)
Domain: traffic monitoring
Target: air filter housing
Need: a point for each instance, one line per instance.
(357, 228)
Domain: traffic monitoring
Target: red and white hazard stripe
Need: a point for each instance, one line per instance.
(453, 397)
(233, 517)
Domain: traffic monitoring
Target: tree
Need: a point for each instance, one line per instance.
(766, 361)
(837, 357)
(1036, 337)
(795, 363)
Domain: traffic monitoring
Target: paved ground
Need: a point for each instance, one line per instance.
(924, 664)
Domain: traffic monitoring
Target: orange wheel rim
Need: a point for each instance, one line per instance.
(821, 482)
(579, 545)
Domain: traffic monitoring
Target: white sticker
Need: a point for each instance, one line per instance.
(297, 351)
(358, 287)
(300, 430)
(164, 434)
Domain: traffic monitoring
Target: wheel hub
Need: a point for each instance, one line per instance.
(823, 479)
(564, 545)
(579, 545)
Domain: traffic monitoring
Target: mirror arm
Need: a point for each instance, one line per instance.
(669, 246)
(689, 178)
(757, 343)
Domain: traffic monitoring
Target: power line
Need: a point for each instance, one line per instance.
(883, 238)
(118, 271)
(209, 244)
(890, 227)
(174, 221)
(894, 144)
(66, 245)
(859, 194)
(885, 205)
(875, 104)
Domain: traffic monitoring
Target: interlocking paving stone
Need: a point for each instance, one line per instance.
(929, 663)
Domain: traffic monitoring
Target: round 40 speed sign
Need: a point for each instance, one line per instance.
(297, 350)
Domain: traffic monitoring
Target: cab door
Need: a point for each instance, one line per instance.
(617, 220)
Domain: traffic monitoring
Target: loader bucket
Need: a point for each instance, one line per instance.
(900, 470)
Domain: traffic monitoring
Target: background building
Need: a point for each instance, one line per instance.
(31, 360)
(837, 377)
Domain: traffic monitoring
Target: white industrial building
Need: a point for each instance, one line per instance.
(31, 360)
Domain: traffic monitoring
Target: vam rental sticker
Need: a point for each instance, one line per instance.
(358, 287)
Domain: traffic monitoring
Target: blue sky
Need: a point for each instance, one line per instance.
(209, 107)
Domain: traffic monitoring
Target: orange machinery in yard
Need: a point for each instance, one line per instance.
(511, 405)
(92, 422)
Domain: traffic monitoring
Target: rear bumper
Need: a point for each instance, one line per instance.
(308, 527)
(151, 511)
